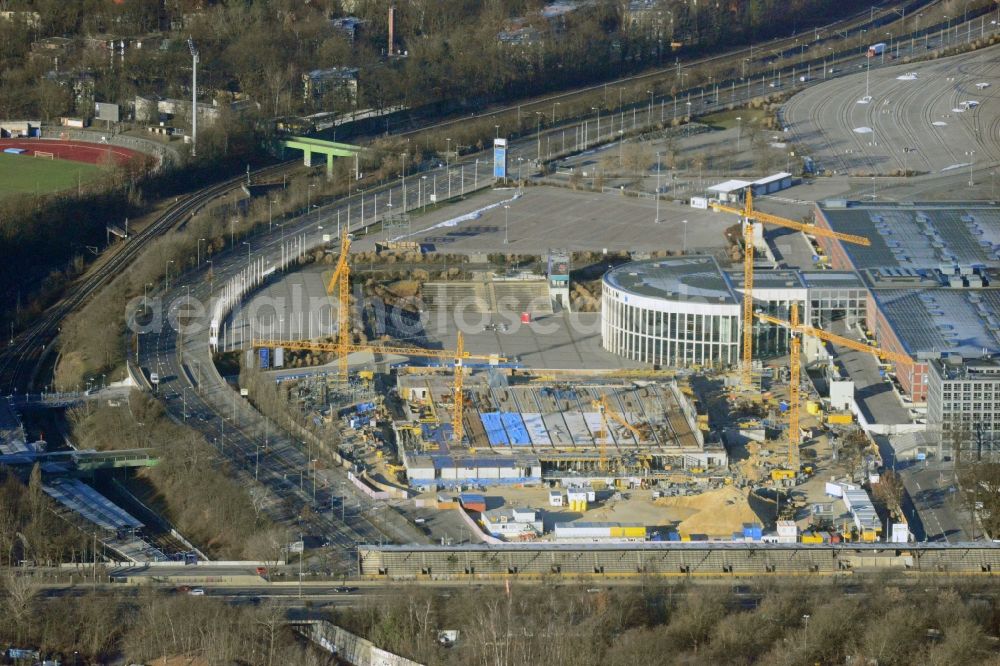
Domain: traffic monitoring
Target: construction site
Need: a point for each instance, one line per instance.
(677, 375)
(521, 430)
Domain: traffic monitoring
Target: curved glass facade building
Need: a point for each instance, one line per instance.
(677, 311)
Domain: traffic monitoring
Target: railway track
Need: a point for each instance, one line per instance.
(23, 358)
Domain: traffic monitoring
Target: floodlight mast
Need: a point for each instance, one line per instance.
(194, 97)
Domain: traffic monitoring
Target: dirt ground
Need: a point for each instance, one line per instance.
(716, 513)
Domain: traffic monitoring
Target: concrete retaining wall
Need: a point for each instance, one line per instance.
(350, 647)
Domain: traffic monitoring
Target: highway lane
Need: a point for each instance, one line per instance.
(21, 360)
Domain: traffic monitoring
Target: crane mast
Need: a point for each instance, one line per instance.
(797, 329)
(750, 216)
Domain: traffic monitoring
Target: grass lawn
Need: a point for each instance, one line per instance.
(26, 174)
(727, 119)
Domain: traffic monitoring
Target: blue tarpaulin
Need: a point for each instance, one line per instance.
(558, 394)
(493, 425)
(438, 434)
(514, 426)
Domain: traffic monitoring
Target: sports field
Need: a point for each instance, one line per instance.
(27, 174)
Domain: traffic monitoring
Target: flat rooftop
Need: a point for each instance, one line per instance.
(920, 235)
(701, 279)
(946, 321)
(984, 369)
(767, 279)
(832, 280)
(675, 278)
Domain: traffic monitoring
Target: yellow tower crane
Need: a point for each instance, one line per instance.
(604, 409)
(341, 281)
(797, 329)
(750, 216)
(458, 356)
(342, 277)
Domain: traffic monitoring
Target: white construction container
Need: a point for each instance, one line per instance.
(900, 533)
(582, 531)
(420, 472)
(787, 528)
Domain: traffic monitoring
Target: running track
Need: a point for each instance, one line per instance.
(77, 151)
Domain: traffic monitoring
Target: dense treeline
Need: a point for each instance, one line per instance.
(147, 626)
(653, 624)
(656, 624)
(193, 486)
(261, 48)
(29, 528)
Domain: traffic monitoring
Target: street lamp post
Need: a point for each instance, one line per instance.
(739, 132)
(166, 274)
(538, 136)
(657, 219)
(554, 105)
(906, 153)
(200, 241)
(594, 108)
(649, 120)
(684, 245)
(447, 154)
(403, 155)
(972, 162)
(506, 223)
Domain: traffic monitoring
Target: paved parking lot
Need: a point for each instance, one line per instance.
(546, 217)
(914, 123)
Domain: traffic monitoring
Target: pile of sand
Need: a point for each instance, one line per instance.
(717, 512)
